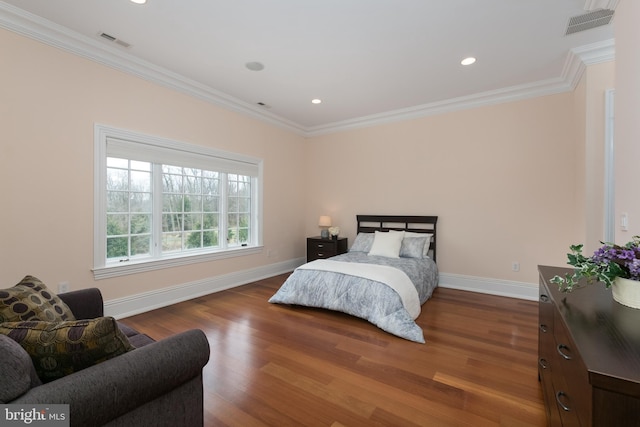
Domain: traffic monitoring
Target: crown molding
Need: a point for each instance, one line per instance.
(600, 4)
(575, 65)
(19, 21)
(32, 26)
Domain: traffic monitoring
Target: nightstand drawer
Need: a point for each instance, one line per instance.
(319, 248)
(322, 249)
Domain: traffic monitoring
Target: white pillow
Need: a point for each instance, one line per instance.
(427, 245)
(387, 244)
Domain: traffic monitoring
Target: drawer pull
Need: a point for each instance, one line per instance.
(320, 255)
(544, 298)
(559, 396)
(543, 328)
(543, 363)
(562, 353)
(320, 246)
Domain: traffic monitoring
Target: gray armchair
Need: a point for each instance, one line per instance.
(158, 383)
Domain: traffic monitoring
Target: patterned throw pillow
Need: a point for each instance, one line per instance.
(32, 300)
(61, 348)
(363, 242)
(412, 247)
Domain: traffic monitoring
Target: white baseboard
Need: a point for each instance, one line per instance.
(504, 288)
(140, 303)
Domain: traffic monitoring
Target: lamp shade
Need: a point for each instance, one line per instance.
(325, 221)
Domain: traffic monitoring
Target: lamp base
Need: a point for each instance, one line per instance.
(324, 233)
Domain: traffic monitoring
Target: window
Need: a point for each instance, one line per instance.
(160, 203)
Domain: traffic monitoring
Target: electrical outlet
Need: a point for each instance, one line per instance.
(515, 266)
(63, 287)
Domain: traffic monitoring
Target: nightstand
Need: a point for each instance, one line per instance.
(318, 248)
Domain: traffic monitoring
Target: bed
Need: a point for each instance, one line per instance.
(386, 276)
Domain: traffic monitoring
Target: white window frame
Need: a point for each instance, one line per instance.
(129, 139)
(609, 173)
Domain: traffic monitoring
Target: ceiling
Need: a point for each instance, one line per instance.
(369, 61)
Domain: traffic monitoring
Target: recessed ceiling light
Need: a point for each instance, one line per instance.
(139, 1)
(254, 66)
(468, 61)
(316, 101)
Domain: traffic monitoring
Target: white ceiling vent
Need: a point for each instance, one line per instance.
(115, 40)
(589, 20)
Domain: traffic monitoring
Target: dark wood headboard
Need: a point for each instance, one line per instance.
(416, 224)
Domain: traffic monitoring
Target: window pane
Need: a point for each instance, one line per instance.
(114, 162)
(140, 224)
(171, 242)
(210, 238)
(171, 169)
(243, 235)
(117, 224)
(192, 185)
(192, 203)
(210, 186)
(117, 247)
(232, 188)
(210, 221)
(244, 189)
(140, 245)
(244, 220)
(193, 222)
(141, 202)
(210, 204)
(193, 240)
(140, 181)
(172, 183)
(191, 171)
(140, 166)
(232, 220)
(172, 222)
(117, 201)
(232, 204)
(117, 179)
(172, 203)
(244, 205)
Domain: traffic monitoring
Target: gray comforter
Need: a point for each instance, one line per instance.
(370, 300)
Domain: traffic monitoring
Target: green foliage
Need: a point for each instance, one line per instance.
(607, 263)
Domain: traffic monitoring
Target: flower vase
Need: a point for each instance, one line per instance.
(626, 292)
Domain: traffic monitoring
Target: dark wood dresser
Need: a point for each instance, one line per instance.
(317, 247)
(588, 356)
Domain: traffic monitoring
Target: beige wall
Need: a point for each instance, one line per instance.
(50, 102)
(627, 117)
(507, 181)
(503, 179)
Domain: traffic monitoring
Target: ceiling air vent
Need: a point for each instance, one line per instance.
(115, 40)
(589, 20)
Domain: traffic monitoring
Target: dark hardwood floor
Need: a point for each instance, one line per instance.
(275, 365)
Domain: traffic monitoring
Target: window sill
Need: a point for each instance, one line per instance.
(134, 267)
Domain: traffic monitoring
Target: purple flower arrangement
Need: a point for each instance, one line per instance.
(605, 265)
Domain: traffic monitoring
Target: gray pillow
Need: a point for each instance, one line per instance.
(16, 370)
(363, 242)
(413, 247)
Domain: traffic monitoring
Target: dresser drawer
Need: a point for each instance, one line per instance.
(572, 391)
